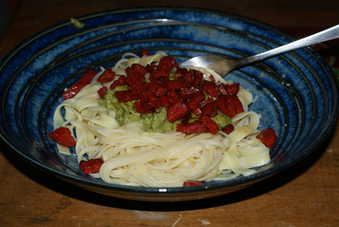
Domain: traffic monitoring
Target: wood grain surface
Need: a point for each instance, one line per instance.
(306, 195)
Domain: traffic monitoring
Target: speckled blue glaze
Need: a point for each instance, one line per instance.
(295, 92)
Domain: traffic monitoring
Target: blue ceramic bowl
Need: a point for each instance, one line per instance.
(295, 93)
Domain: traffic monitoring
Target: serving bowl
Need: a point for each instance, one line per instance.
(295, 93)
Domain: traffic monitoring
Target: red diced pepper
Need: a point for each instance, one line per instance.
(198, 78)
(210, 124)
(63, 137)
(232, 89)
(154, 101)
(173, 97)
(160, 91)
(193, 127)
(192, 183)
(210, 109)
(122, 80)
(126, 96)
(230, 105)
(164, 101)
(102, 92)
(87, 77)
(77, 86)
(210, 88)
(156, 89)
(143, 108)
(72, 91)
(136, 70)
(91, 166)
(167, 63)
(206, 101)
(229, 89)
(268, 137)
(194, 102)
(228, 129)
(135, 83)
(176, 111)
(188, 92)
(106, 76)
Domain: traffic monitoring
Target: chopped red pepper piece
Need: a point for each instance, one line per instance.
(192, 183)
(210, 109)
(143, 108)
(63, 137)
(232, 89)
(77, 86)
(176, 111)
(164, 101)
(167, 63)
(195, 101)
(126, 96)
(87, 77)
(156, 89)
(198, 78)
(136, 70)
(102, 92)
(72, 91)
(210, 88)
(268, 137)
(91, 166)
(120, 81)
(210, 124)
(106, 76)
(188, 92)
(230, 105)
(155, 102)
(193, 127)
(206, 101)
(229, 89)
(228, 129)
(173, 97)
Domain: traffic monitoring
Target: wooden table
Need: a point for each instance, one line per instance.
(307, 195)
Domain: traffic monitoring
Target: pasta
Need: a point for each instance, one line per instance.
(132, 156)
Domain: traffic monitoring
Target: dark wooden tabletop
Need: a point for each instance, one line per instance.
(307, 195)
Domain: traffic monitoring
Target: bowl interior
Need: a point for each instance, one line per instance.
(294, 92)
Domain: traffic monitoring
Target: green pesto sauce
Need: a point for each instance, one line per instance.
(125, 112)
(151, 122)
(221, 119)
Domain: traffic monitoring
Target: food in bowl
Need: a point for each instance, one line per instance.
(148, 122)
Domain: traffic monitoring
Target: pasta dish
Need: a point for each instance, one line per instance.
(148, 122)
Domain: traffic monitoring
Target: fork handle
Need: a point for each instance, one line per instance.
(325, 35)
